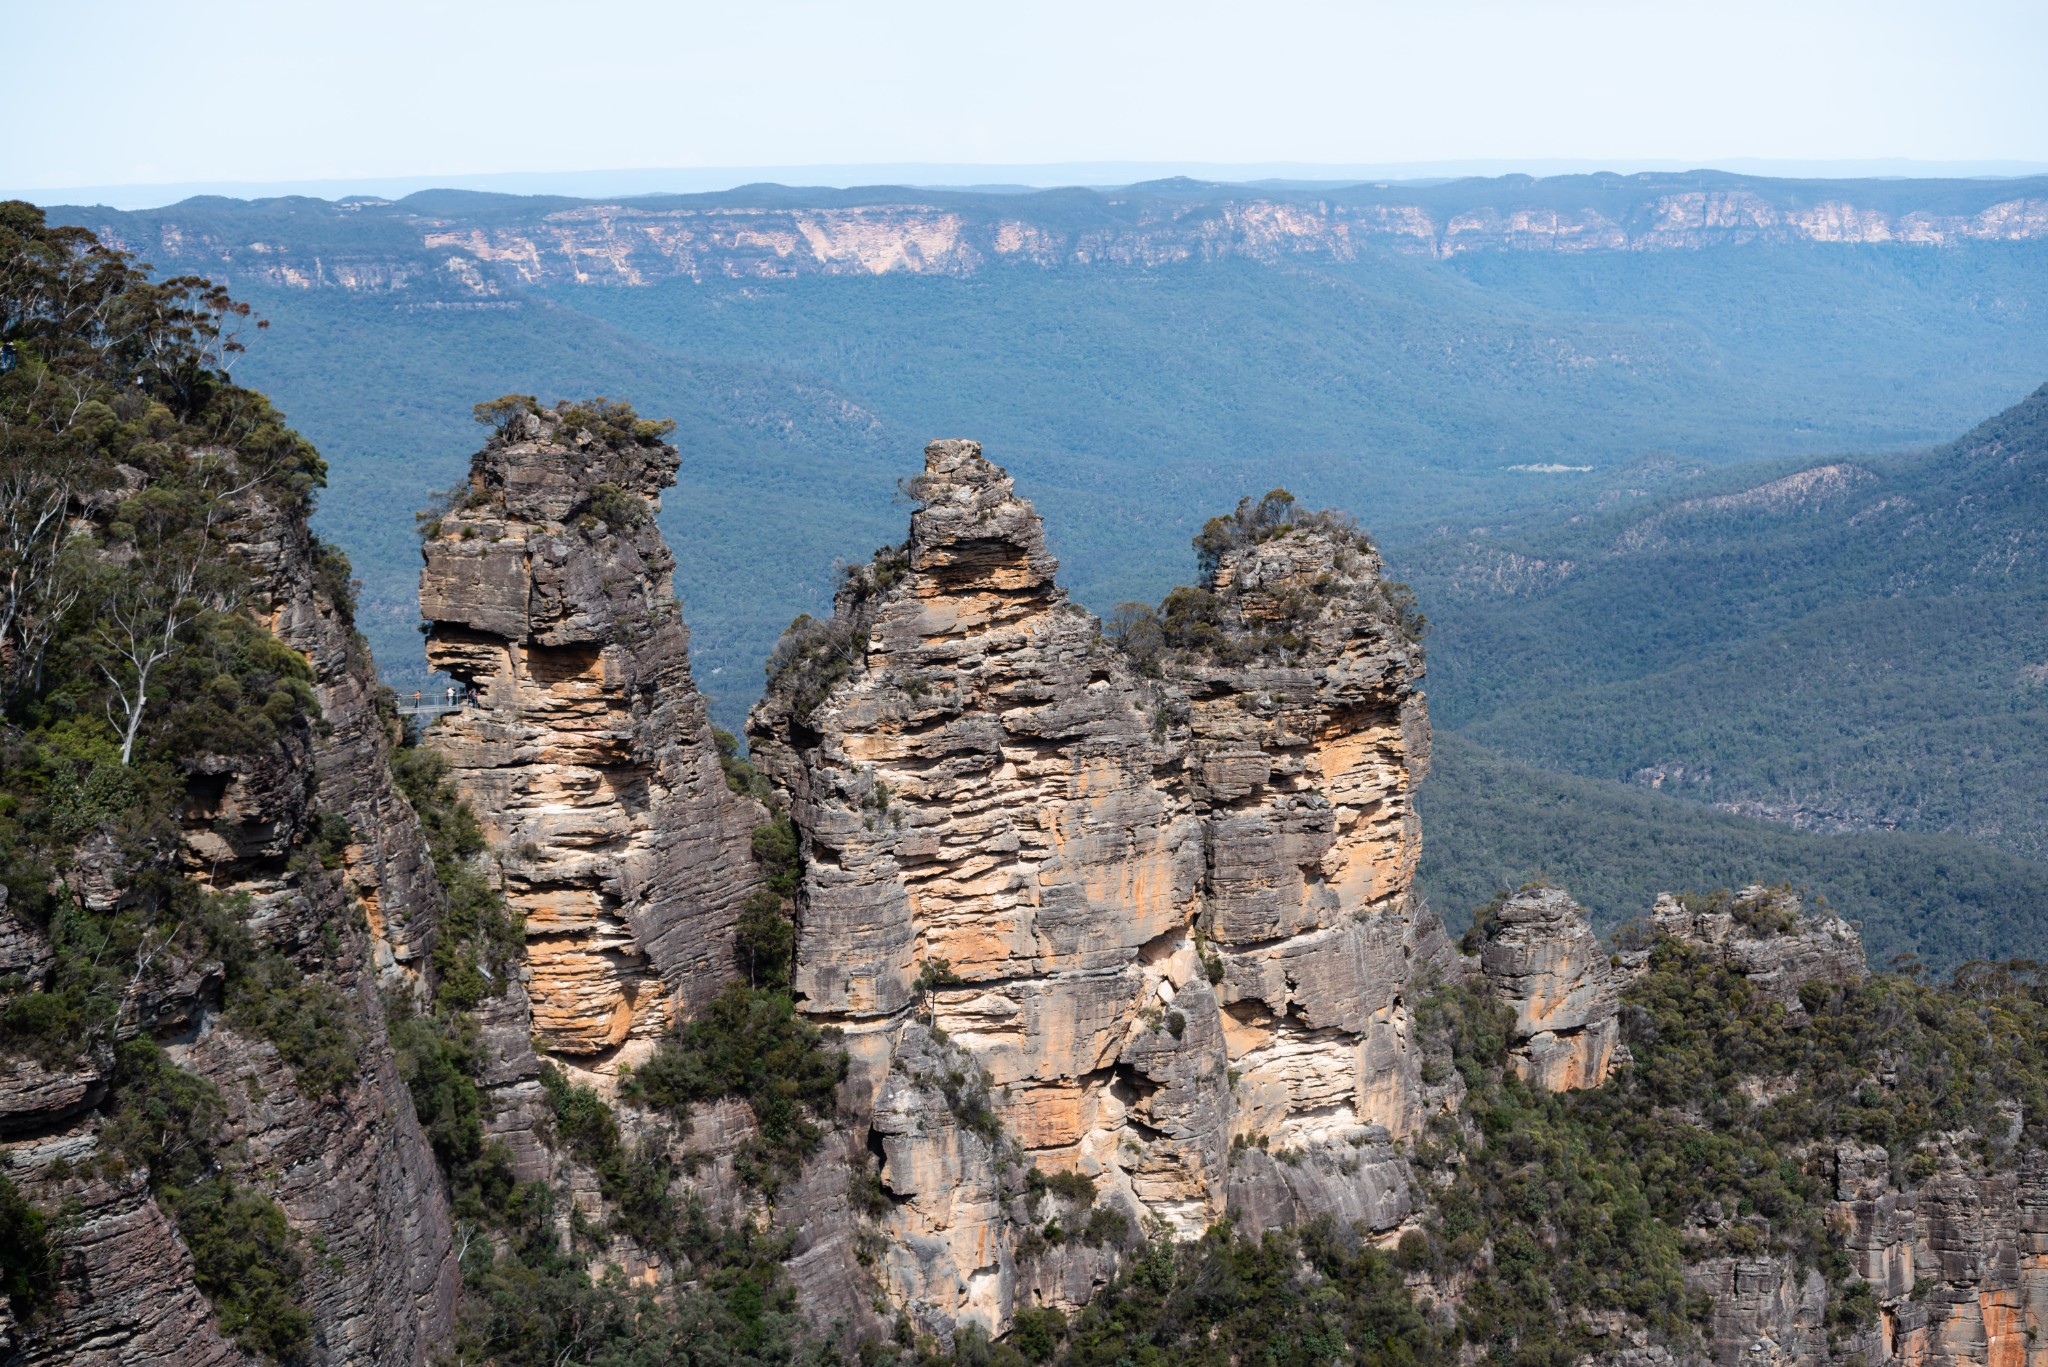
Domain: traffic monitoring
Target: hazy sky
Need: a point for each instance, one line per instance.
(105, 92)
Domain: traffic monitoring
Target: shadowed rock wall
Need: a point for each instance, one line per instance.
(351, 1169)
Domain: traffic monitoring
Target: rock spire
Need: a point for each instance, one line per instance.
(1159, 892)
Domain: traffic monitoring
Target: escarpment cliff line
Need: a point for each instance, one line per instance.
(587, 753)
(1160, 896)
(494, 245)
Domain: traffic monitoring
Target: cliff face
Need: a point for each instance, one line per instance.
(348, 1165)
(587, 755)
(1953, 1242)
(1119, 926)
(486, 249)
(1167, 917)
(1543, 959)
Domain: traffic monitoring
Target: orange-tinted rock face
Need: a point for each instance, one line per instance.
(587, 754)
(1543, 959)
(1162, 900)
(1958, 1260)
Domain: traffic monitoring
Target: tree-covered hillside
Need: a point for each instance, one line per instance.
(1797, 652)
(1129, 399)
(1859, 644)
(1490, 823)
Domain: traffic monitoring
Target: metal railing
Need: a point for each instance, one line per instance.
(434, 709)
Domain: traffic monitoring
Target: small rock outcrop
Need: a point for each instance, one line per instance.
(587, 754)
(1768, 936)
(1161, 896)
(1539, 954)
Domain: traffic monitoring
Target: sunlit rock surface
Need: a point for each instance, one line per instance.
(1164, 904)
(587, 755)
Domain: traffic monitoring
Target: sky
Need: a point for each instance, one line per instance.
(120, 93)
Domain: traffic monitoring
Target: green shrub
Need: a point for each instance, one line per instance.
(740, 775)
(247, 1261)
(614, 508)
(634, 1181)
(750, 1044)
(309, 1021)
(811, 657)
(1106, 1226)
(479, 939)
(438, 1057)
(245, 1257)
(765, 941)
(28, 1264)
(612, 421)
(1036, 1331)
(967, 1099)
(334, 580)
(161, 1117)
(779, 855)
(1068, 1184)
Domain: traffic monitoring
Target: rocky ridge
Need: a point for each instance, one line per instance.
(1539, 955)
(1168, 914)
(587, 753)
(486, 249)
(1118, 924)
(1768, 936)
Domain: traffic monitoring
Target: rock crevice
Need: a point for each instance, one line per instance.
(1163, 898)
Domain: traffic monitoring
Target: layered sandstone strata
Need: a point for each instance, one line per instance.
(588, 755)
(349, 1166)
(1541, 957)
(1163, 902)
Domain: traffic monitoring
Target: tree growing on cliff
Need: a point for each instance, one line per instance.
(933, 974)
(41, 572)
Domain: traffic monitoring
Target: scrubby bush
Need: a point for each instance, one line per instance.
(811, 657)
(815, 655)
(245, 1257)
(247, 1261)
(308, 1020)
(614, 508)
(28, 1264)
(750, 1044)
(635, 1180)
(740, 775)
(765, 941)
(479, 939)
(439, 1056)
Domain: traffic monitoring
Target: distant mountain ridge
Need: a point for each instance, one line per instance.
(475, 244)
(1849, 645)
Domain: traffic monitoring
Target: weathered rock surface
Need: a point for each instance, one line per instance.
(1541, 956)
(1767, 935)
(352, 1171)
(1957, 1257)
(125, 1297)
(588, 756)
(1958, 1262)
(1161, 912)
(34, 1095)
